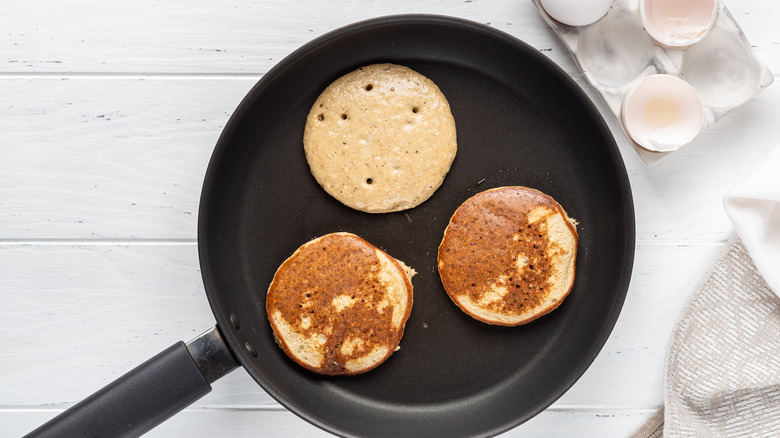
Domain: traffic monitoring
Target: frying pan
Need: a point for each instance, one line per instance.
(520, 121)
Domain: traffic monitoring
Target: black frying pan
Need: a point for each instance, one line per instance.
(520, 121)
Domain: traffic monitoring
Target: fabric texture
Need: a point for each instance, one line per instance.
(722, 371)
(653, 428)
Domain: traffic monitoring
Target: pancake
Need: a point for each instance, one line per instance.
(380, 139)
(508, 255)
(338, 305)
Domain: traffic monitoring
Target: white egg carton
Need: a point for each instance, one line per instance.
(616, 52)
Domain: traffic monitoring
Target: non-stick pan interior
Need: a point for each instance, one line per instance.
(520, 121)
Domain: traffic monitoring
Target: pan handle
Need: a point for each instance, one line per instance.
(149, 394)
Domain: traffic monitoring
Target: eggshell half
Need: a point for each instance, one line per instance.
(662, 113)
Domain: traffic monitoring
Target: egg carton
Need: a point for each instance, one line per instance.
(615, 53)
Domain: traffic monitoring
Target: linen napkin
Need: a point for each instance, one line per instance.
(722, 370)
(754, 208)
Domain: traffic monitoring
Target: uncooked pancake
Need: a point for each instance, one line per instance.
(339, 305)
(380, 139)
(508, 255)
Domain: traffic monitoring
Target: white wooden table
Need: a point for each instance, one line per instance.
(109, 114)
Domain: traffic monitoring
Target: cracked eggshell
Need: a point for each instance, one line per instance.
(678, 23)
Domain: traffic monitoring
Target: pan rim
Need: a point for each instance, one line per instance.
(414, 19)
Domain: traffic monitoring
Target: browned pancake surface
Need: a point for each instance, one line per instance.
(335, 291)
(497, 251)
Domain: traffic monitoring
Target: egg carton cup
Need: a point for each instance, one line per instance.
(616, 52)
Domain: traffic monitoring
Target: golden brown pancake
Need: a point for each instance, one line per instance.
(508, 255)
(338, 305)
(380, 139)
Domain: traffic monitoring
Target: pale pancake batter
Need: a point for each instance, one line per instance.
(381, 138)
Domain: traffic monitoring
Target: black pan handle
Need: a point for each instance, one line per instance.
(147, 395)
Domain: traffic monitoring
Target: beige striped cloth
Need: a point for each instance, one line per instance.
(722, 376)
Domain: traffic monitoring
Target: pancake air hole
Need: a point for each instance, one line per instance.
(369, 87)
(415, 109)
(369, 180)
(344, 116)
(321, 117)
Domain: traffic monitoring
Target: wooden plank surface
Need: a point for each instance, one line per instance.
(247, 37)
(109, 115)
